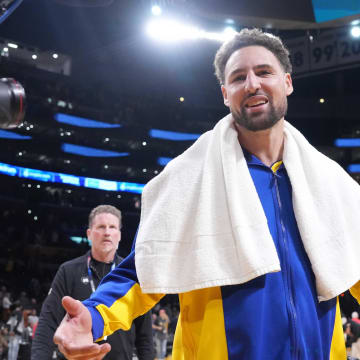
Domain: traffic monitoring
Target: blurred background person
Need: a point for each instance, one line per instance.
(15, 325)
(161, 324)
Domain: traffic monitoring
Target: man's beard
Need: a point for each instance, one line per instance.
(250, 122)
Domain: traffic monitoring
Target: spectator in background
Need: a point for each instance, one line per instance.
(161, 325)
(15, 324)
(33, 320)
(352, 334)
(6, 303)
(79, 278)
(26, 333)
(355, 317)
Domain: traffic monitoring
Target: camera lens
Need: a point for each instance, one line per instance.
(12, 103)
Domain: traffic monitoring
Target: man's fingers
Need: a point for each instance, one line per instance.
(77, 352)
(90, 352)
(104, 349)
(72, 306)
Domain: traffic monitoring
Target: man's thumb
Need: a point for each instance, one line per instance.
(73, 307)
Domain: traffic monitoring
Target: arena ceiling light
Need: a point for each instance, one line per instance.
(171, 30)
(355, 31)
(168, 30)
(156, 10)
(229, 32)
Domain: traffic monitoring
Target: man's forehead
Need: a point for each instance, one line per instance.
(251, 56)
(105, 217)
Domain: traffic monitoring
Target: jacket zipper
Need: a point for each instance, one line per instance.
(287, 269)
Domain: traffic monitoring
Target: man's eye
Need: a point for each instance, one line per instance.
(264, 72)
(239, 78)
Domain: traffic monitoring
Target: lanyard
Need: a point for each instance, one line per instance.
(92, 284)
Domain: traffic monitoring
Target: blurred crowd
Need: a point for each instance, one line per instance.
(19, 317)
(351, 326)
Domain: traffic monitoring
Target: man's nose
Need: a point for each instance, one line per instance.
(252, 83)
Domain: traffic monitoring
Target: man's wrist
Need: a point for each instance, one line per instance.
(97, 328)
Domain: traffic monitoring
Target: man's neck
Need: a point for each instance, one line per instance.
(266, 145)
(103, 257)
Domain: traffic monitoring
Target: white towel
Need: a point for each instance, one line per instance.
(202, 223)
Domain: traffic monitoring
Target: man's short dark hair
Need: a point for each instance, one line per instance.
(251, 37)
(105, 209)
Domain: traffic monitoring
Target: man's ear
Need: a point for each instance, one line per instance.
(224, 93)
(288, 84)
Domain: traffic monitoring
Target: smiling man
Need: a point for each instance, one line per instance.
(254, 229)
(79, 278)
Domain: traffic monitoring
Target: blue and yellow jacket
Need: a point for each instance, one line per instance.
(275, 316)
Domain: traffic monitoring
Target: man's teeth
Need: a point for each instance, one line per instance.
(260, 102)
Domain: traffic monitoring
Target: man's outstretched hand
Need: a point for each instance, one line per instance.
(74, 337)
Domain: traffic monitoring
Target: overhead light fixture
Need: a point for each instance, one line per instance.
(156, 10)
(12, 45)
(55, 56)
(229, 21)
(229, 33)
(355, 31)
(168, 30)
